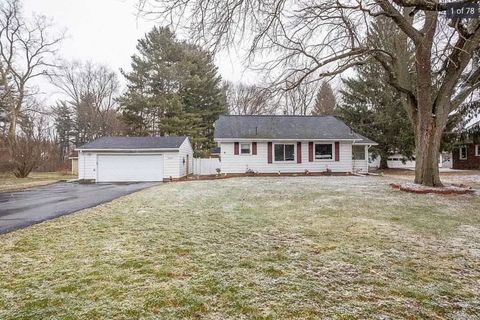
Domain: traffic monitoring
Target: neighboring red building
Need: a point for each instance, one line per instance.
(467, 153)
(466, 156)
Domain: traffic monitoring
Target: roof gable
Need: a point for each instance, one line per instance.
(283, 127)
(133, 143)
(364, 140)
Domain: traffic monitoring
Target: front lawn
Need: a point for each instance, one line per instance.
(261, 248)
(8, 182)
(468, 177)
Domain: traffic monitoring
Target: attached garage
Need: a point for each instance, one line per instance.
(135, 159)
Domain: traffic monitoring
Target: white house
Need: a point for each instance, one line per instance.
(399, 161)
(289, 144)
(124, 159)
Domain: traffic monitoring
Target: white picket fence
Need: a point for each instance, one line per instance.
(203, 166)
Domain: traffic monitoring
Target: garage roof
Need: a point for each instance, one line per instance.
(134, 143)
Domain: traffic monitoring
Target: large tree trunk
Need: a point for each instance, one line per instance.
(383, 163)
(426, 163)
(428, 118)
(428, 136)
(383, 160)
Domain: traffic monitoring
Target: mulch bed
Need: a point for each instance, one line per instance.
(449, 189)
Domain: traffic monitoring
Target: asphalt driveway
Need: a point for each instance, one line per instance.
(24, 208)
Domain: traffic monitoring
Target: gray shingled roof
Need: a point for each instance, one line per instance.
(364, 139)
(283, 127)
(128, 143)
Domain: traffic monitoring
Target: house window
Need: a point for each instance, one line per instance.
(245, 148)
(463, 152)
(477, 150)
(358, 152)
(284, 152)
(323, 151)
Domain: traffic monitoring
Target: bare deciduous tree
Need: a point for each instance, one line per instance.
(91, 91)
(253, 100)
(308, 40)
(4, 103)
(298, 100)
(27, 51)
(248, 100)
(78, 80)
(26, 152)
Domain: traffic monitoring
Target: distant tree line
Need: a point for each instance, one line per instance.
(27, 51)
(90, 109)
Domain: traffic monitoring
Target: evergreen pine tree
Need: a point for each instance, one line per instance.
(372, 108)
(325, 101)
(64, 126)
(203, 95)
(173, 89)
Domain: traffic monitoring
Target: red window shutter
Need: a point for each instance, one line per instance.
(337, 151)
(310, 151)
(236, 148)
(299, 152)
(254, 148)
(269, 152)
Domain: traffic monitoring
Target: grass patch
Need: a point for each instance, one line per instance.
(8, 182)
(257, 248)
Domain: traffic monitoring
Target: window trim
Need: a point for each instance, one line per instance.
(324, 160)
(284, 144)
(477, 150)
(364, 153)
(240, 153)
(460, 153)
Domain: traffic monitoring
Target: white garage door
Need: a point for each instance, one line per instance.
(129, 167)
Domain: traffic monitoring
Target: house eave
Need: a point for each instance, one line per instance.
(366, 144)
(266, 140)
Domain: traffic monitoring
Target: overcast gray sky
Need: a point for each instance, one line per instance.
(106, 31)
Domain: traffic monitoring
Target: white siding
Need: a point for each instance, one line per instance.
(184, 150)
(231, 163)
(360, 166)
(171, 167)
(87, 165)
(397, 163)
